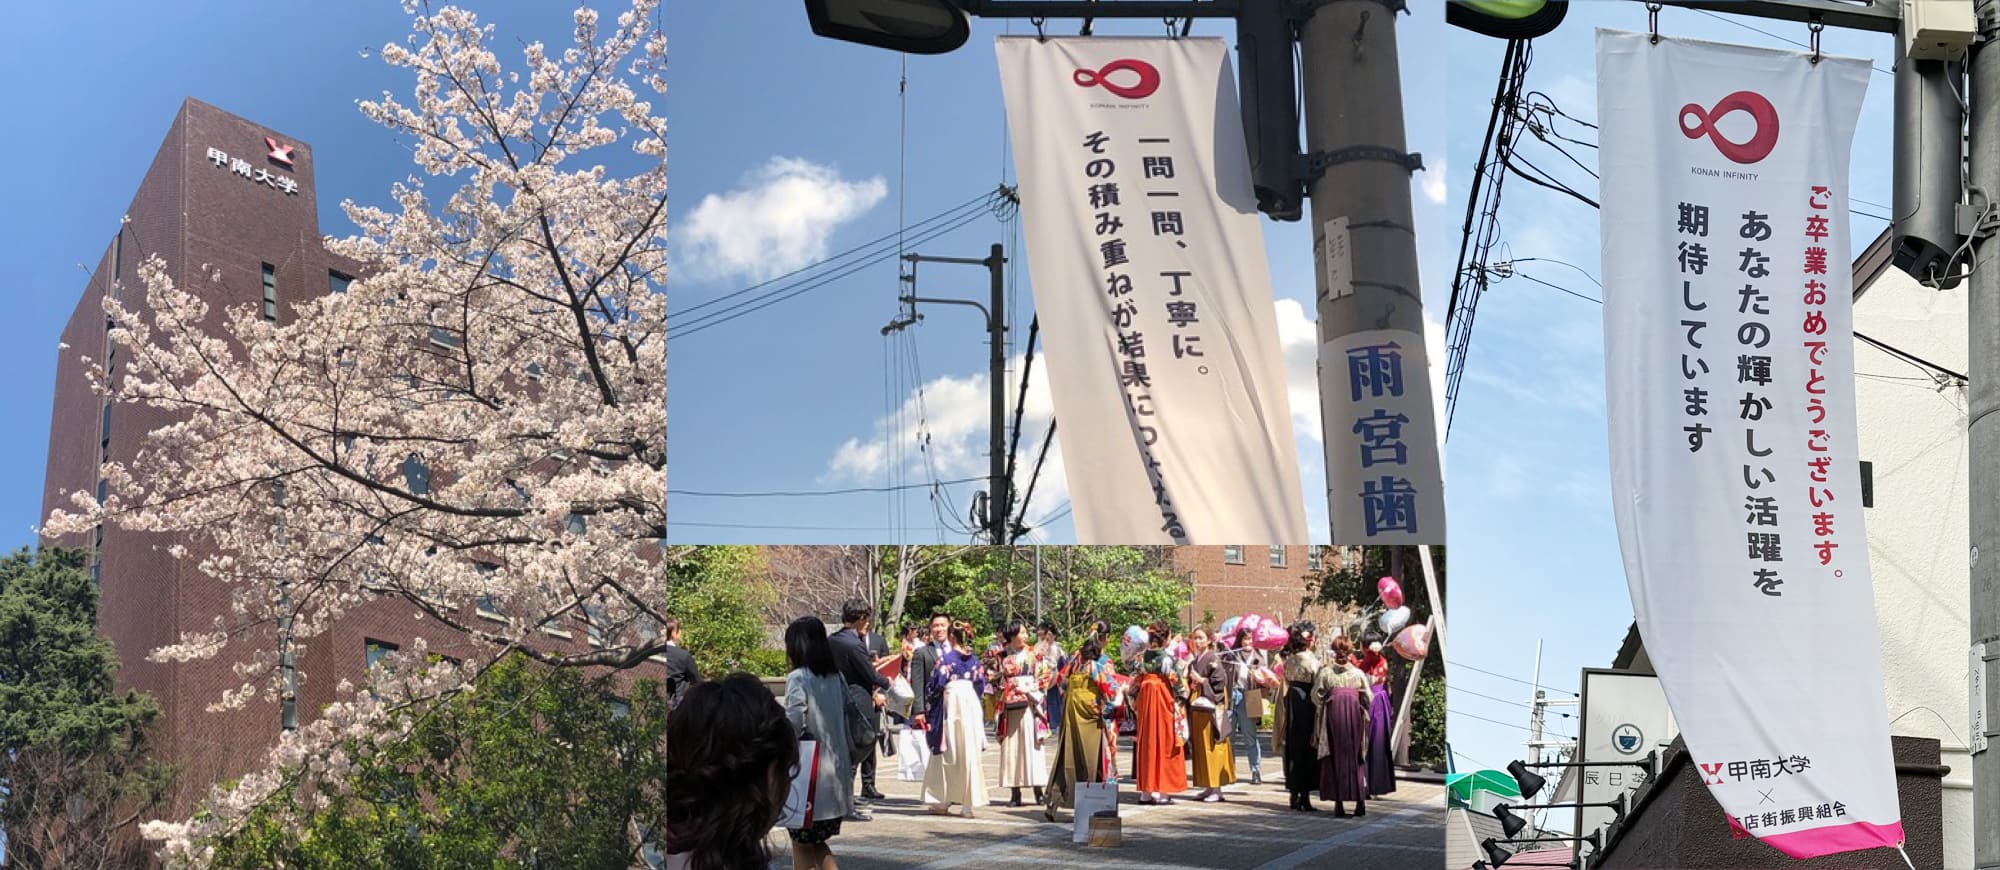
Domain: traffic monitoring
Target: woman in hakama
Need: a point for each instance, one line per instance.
(1381, 768)
(1208, 686)
(1159, 757)
(1342, 741)
(1024, 680)
(957, 731)
(1301, 717)
(1084, 750)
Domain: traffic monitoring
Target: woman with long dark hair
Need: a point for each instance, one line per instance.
(1159, 756)
(816, 704)
(957, 729)
(1301, 716)
(1024, 678)
(1084, 741)
(730, 757)
(1343, 737)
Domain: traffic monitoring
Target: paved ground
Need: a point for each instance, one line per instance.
(1251, 829)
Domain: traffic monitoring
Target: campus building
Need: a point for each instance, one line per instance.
(1232, 580)
(225, 194)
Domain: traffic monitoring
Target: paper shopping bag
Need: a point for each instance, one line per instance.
(805, 785)
(1091, 798)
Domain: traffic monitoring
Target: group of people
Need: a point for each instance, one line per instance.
(1332, 727)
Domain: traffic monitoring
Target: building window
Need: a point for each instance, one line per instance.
(270, 293)
(1232, 555)
(416, 475)
(575, 523)
(336, 282)
(1312, 558)
(444, 338)
(594, 624)
(536, 371)
(104, 435)
(1277, 556)
(376, 650)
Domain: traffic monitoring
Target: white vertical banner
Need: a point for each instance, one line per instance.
(1729, 374)
(1157, 316)
(1384, 485)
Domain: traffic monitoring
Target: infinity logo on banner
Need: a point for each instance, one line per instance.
(1760, 110)
(1149, 78)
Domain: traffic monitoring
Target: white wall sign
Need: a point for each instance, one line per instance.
(258, 174)
(1624, 717)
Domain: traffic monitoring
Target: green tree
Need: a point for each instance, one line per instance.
(74, 763)
(709, 591)
(1351, 583)
(533, 767)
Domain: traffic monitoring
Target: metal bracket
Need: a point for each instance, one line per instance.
(1297, 11)
(1319, 161)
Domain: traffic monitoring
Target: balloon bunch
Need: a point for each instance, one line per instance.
(1265, 634)
(1411, 641)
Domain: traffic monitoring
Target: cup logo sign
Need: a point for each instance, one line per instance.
(1149, 78)
(1757, 147)
(1627, 739)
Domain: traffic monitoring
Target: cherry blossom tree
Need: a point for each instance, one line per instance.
(478, 422)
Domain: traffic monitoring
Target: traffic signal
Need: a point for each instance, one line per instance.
(1506, 19)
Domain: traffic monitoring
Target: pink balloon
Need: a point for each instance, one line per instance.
(1225, 633)
(1250, 621)
(1414, 642)
(1269, 636)
(1179, 650)
(1391, 592)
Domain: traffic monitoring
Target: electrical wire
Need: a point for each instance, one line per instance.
(810, 493)
(1456, 664)
(717, 318)
(1048, 438)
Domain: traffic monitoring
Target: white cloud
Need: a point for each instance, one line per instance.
(1433, 184)
(777, 219)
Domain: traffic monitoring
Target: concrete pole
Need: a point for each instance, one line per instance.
(998, 499)
(1982, 427)
(1354, 99)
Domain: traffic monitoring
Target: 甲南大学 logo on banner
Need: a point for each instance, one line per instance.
(1751, 150)
(1148, 78)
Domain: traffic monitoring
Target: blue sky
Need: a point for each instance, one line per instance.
(785, 148)
(1533, 548)
(96, 84)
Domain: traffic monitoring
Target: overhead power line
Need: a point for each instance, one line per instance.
(810, 493)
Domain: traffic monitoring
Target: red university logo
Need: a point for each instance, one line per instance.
(1714, 770)
(1149, 78)
(1759, 144)
(279, 152)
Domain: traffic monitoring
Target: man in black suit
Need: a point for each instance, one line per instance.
(851, 654)
(922, 663)
(681, 671)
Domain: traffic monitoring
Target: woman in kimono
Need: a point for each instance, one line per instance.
(957, 732)
(1342, 742)
(1208, 688)
(1301, 716)
(1159, 758)
(1051, 652)
(1381, 769)
(1085, 750)
(816, 705)
(1024, 680)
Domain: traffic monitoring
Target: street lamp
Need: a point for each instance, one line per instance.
(913, 26)
(1512, 824)
(1531, 782)
(1497, 855)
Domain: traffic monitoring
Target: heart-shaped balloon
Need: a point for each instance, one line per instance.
(1391, 592)
(1269, 636)
(1225, 634)
(1414, 643)
(1250, 622)
(1133, 643)
(1393, 620)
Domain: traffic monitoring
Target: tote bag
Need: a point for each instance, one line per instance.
(805, 785)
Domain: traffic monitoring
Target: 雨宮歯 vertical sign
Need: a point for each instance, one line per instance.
(1729, 373)
(1154, 299)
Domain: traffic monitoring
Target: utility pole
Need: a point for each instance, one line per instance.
(999, 493)
(1983, 434)
(1360, 202)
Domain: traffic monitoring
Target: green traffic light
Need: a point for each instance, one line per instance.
(1506, 19)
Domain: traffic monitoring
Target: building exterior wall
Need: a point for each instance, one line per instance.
(1913, 436)
(1232, 581)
